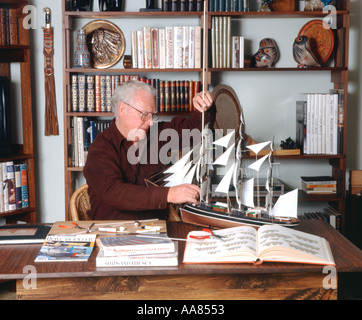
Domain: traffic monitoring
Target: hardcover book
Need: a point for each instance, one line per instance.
(270, 243)
(23, 234)
(131, 245)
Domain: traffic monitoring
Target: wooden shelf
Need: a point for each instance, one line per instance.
(21, 153)
(338, 69)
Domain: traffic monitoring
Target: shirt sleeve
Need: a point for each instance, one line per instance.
(111, 183)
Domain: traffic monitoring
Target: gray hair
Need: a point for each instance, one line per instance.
(127, 90)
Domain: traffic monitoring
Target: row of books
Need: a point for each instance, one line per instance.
(226, 51)
(177, 96)
(14, 193)
(136, 251)
(93, 93)
(8, 27)
(320, 122)
(83, 131)
(175, 47)
(319, 185)
(229, 5)
(330, 215)
(182, 5)
(5, 121)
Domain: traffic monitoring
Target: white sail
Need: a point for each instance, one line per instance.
(179, 176)
(247, 193)
(225, 140)
(286, 206)
(224, 158)
(258, 146)
(179, 165)
(257, 164)
(190, 175)
(224, 184)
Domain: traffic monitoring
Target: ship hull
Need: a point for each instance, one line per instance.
(206, 217)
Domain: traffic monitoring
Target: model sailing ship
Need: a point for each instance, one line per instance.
(197, 167)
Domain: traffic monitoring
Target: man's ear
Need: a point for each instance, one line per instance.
(121, 107)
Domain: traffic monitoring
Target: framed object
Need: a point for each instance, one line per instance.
(105, 42)
(321, 38)
(23, 234)
(228, 109)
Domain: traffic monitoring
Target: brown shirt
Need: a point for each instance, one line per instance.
(117, 188)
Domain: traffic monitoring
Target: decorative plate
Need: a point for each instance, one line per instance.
(321, 38)
(228, 109)
(105, 42)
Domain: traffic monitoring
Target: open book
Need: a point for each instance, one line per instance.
(269, 243)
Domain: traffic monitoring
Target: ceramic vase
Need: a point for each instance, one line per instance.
(81, 53)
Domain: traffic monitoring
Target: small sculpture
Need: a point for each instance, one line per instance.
(302, 53)
(267, 55)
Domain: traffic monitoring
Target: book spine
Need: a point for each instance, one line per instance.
(103, 93)
(140, 50)
(13, 27)
(197, 47)
(74, 93)
(129, 262)
(155, 48)
(5, 186)
(137, 249)
(82, 93)
(185, 48)
(162, 96)
(169, 51)
(235, 52)
(134, 49)
(178, 40)
(90, 94)
(11, 184)
(191, 47)
(17, 175)
(24, 185)
(162, 45)
(147, 47)
(108, 93)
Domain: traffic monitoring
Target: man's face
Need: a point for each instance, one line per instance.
(130, 122)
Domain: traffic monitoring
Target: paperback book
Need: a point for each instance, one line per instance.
(272, 243)
(66, 247)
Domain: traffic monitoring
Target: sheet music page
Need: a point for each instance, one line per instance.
(235, 241)
(278, 236)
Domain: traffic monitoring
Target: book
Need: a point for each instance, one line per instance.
(66, 247)
(10, 179)
(23, 234)
(17, 175)
(270, 243)
(24, 186)
(132, 244)
(147, 47)
(169, 259)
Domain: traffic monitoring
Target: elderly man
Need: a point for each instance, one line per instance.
(116, 186)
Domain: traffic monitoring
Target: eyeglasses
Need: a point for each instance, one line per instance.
(146, 116)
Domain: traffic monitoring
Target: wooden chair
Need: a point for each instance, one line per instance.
(79, 204)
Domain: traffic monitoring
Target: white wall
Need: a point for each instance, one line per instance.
(277, 120)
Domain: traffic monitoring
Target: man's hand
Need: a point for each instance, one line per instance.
(184, 193)
(203, 101)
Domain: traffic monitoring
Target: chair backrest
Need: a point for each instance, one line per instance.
(79, 204)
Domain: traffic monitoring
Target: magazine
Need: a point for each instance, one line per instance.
(76, 247)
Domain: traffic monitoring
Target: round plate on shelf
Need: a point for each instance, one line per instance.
(228, 109)
(105, 42)
(321, 38)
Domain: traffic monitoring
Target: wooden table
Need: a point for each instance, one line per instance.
(82, 280)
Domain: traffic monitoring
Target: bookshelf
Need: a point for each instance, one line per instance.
(20, 152)
(337, 71)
